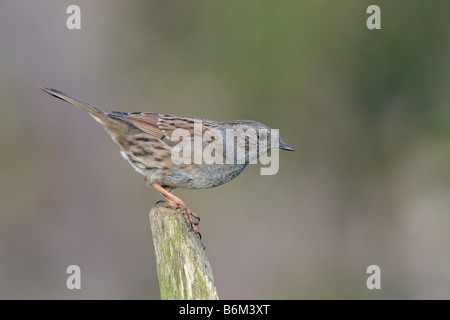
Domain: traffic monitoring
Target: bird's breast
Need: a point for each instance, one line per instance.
(201, 176)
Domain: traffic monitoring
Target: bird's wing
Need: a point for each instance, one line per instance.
(147, 122)
(163, 126)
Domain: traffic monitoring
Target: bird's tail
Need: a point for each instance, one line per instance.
(95, 112)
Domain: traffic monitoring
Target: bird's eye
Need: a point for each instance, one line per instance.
(261, 136)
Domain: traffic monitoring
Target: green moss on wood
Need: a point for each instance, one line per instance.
(184, 271)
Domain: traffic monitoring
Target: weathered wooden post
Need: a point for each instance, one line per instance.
(184, 272)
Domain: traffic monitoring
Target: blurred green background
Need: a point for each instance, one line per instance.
(367, 111)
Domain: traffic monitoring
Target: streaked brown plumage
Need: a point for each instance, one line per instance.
(147, 141)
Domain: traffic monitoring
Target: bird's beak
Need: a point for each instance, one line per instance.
(285, 146)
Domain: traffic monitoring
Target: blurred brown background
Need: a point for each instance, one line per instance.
(367, 111)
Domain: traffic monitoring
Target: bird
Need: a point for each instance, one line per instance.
(159, 146)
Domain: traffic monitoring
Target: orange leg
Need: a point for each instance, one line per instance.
(175, 202)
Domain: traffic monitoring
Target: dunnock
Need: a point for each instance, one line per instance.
(149, 141)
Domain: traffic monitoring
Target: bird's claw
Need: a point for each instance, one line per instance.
(188, 214)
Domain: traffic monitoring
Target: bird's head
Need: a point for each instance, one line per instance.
(253, 139)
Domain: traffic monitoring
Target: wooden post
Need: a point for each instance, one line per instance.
(184, 272)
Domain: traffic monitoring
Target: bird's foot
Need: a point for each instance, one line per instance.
(175, 202)
(189, 216)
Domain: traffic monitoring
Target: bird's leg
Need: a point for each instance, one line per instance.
(175, 202)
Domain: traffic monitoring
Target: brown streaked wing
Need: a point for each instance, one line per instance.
(168, 124)
(163, 125)
(147, 122)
